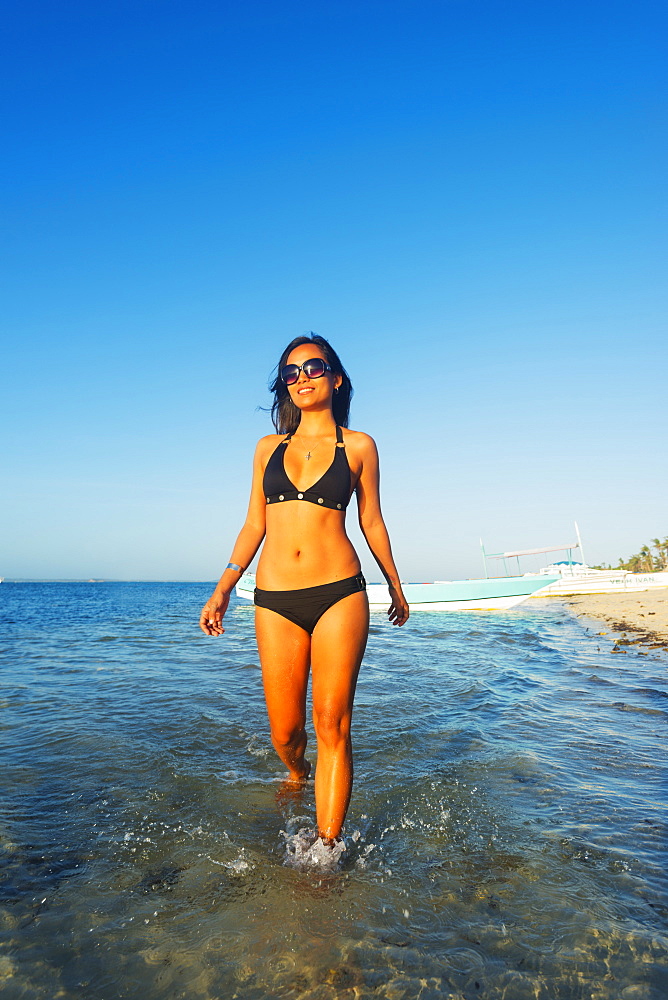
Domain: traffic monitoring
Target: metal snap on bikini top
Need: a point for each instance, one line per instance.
(332, 489)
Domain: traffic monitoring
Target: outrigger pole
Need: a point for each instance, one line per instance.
(577, 532)
(484, 558)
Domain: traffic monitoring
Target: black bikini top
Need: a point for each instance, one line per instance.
(331, 490)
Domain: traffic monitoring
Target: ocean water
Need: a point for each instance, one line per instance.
(506, 837)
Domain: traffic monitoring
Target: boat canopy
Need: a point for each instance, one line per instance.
(530, 552)
(518, 553)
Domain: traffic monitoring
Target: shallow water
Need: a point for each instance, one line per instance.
(506, 837)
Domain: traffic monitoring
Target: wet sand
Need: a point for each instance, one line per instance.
(636, 619)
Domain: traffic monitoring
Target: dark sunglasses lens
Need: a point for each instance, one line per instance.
(290, 374)
(315, 368)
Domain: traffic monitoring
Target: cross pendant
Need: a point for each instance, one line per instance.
(308, 456)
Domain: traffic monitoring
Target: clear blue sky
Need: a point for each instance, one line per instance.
(467, 198)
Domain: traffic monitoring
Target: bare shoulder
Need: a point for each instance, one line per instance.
(267, 444)
(360, 443)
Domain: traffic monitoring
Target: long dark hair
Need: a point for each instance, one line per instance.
(284, 414)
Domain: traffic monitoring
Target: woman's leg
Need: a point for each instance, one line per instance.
(285, 651)
(337, 648)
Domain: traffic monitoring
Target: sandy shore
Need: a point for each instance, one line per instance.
(639, 620)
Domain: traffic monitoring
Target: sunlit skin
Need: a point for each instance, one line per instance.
(305, 546)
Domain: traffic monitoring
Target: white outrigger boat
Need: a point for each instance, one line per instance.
(570, 578)
(444, 595)
(578, 578)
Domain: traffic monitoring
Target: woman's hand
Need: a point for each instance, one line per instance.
(211, 619)
(398, 609)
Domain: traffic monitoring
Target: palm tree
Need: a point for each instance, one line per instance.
(644, 561)
(661, 560)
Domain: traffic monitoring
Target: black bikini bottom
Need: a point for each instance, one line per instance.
(306, 607)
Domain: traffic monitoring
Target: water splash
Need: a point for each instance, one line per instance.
(238, 866)
(305, 850)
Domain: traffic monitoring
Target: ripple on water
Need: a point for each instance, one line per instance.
(506, 837)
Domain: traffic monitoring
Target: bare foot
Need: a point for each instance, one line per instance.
(330, 841)
(297, 776)
(291, 790)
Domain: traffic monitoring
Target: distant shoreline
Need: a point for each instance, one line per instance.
(638, 619)
(53, 579)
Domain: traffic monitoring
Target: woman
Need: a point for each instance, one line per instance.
(311, 605)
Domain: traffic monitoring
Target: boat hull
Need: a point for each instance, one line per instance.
(448, 595)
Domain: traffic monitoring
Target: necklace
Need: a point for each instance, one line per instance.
(309, 451)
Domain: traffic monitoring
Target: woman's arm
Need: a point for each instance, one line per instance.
(373, 527)
(248, 542)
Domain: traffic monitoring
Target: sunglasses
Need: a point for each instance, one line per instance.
(313, 368)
